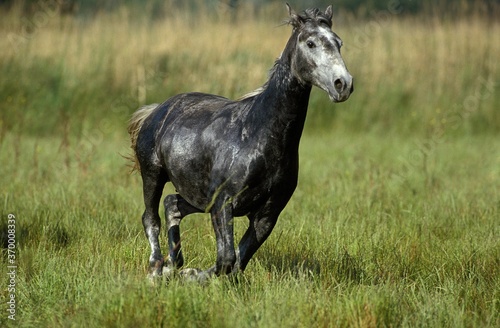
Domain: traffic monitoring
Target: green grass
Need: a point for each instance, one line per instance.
(395, 221)
(365, 241)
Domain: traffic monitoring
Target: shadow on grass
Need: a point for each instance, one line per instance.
(343, 266)
(53, 234)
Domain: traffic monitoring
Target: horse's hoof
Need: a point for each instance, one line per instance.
(153, 277)
(165, 274)
(196, 275)
(168, 272)
(189, 273)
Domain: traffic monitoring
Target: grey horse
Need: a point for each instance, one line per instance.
(235, 158)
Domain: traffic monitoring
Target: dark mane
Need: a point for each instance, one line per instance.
(309, 15)
(261, 89)
(297, 21)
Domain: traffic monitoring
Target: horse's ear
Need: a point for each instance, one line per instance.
(329, 12)
(295, 19)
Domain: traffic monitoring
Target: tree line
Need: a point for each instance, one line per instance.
(359, 7)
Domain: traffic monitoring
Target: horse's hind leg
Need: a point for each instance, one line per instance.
(152, 189)
(176, 208)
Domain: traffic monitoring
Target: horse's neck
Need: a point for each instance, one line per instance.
(283, 104)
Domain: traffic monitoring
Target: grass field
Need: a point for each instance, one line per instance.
(395, 222)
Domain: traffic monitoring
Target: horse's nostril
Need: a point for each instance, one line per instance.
(339, 85)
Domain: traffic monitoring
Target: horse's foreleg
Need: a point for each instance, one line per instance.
(259, 229)
(222, 220)
(175, 209)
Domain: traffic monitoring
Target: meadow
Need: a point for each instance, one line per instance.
(395, 221)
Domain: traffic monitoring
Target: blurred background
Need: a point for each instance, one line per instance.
(72, 72)
(69, 66)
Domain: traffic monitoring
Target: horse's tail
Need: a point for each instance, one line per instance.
(134, 126)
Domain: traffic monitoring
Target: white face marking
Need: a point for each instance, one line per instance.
(321, 64)
(327, 34)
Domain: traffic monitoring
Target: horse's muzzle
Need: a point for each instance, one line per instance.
(343, 87)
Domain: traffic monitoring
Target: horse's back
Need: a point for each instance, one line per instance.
(186, 107)
(196, 139)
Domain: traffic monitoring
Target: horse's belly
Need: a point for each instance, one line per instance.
(247, 182)
(212, 162)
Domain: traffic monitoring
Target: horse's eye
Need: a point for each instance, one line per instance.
(311, 44)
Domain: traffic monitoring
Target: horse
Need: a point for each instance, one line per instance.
(233, 158)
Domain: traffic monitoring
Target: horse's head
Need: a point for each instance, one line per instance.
(317, 58)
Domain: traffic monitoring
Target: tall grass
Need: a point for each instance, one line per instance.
(395, 219)
(411, 74)
(364, 242)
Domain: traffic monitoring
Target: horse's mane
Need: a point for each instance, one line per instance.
(308, 15)
(297, 21)
(261, 89)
